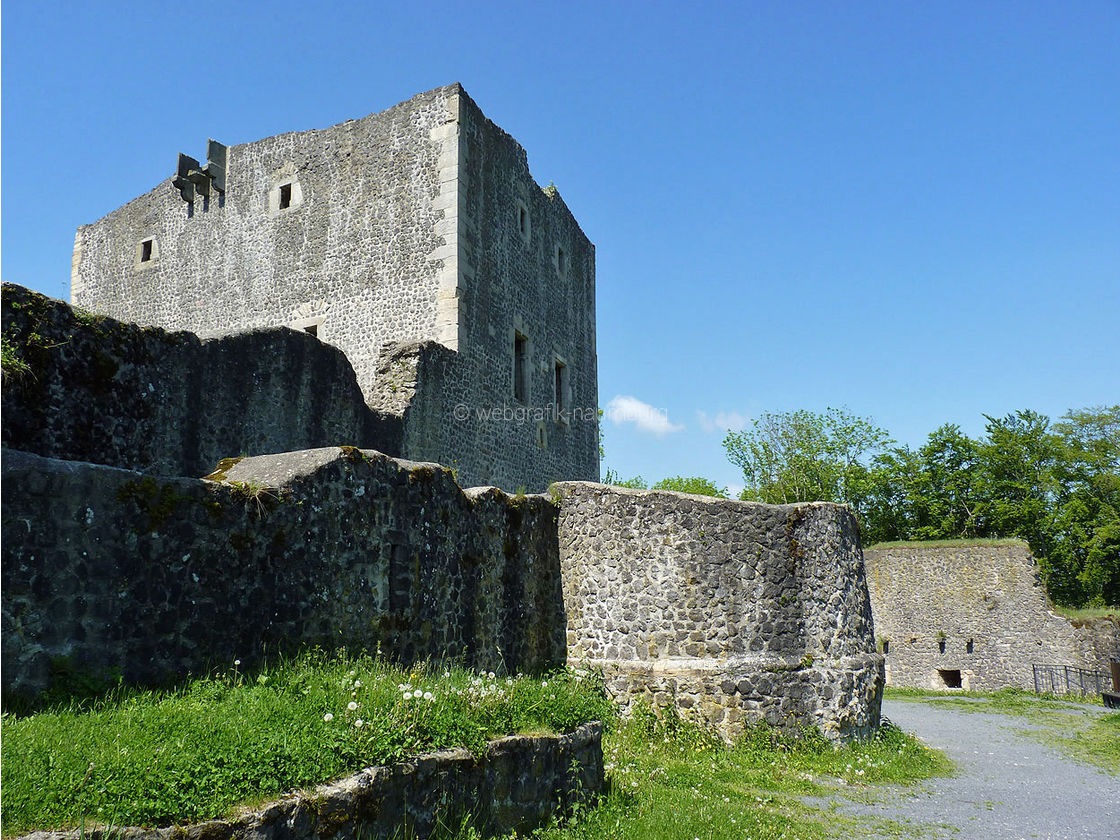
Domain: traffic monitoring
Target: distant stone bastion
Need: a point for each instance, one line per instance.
(974, 615)
(731, 610)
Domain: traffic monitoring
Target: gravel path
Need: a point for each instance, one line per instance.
(1008, 785)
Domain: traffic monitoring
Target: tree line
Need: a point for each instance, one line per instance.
(1054, 484)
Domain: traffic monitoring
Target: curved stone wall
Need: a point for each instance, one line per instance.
(736, 610)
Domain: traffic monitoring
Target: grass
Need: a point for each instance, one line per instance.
(154, 758)
(195, 753)
(948, 543)
(1088, 612)
(671, 780)
(1061, 723)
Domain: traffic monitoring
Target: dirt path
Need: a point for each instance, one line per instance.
(1008, 784)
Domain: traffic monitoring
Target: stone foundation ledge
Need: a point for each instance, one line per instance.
(518, 784)
(840, 698)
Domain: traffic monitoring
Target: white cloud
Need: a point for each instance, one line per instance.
(733, 490)
(724, 421)
(623, 409)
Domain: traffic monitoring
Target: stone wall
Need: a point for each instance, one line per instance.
(734, 610)
(539, 283)
(169, 403)
(115, 572)
(421, 226)
(518, 784)
(1097, 641)
(976, 613)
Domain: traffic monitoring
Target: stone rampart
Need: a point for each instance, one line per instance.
(736, 611)
(518, 784)
(973, 616)
(115, 572)
(106, 392)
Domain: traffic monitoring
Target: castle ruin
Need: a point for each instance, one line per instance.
(417, 242)
(289, 361)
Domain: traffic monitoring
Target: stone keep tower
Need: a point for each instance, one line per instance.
(417, 242)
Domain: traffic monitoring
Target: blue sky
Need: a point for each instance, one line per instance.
(910, 209)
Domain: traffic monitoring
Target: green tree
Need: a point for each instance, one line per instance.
(804, 456)
(1083, 562)
(635, 483)
(695, 485)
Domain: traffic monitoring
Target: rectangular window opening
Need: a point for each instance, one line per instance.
(941, 646)
(950, 678)
(520, 366)
(285, 196)
(561, 386)
(522, 220)
(968, 648)
(146, 250)
(886, 647)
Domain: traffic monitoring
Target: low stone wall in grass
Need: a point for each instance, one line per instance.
(518, 784)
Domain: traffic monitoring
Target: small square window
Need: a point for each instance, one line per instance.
(285, 196)
(146, 250)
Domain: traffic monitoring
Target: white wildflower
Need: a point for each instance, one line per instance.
(358, 723)
(328, 717)
(352, 706)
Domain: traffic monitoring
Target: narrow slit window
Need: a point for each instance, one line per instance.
(561, 381)
(560, 387)
(522, 220)
(146, 250)
(941, 646)
(285, 196)
(886, 647)
(561, 261)
(968, 648)
(520, 366)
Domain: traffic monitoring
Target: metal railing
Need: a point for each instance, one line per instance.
(1067, 679)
